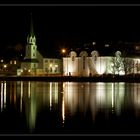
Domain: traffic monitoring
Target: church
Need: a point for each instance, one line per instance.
(34, 63)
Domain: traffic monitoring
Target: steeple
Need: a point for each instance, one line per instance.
(31, 27)
(31, 39)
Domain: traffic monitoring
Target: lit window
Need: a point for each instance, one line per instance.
(73, 58)
(56, 66)
(15, 62)
(106, 45)
(137, 47)
(50, 65)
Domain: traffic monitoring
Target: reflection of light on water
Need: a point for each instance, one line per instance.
(63, 104)
(1, 96)
(71, 96)
(21, 96)
(4, 94)
(119, 96)
(112, 96)
(100, 94)
(14, 92)
(56, 92)
(32, 106)
(63, 109)
(50, 95)
(29, 89)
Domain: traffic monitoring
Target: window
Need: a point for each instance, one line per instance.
(84, 62)
(50, 69)
(15, 62)
(51, 61)
(73, 58)
(46, 69)
(56, 69)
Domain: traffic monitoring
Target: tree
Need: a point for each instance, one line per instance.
(116, 64)
(129, 65)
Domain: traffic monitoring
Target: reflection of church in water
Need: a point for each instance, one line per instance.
(32, 98)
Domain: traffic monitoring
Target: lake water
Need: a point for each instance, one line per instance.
(34, 107)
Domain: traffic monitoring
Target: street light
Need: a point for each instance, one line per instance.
(93, 43)
(63, 51)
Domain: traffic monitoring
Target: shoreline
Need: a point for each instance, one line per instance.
(72, 78)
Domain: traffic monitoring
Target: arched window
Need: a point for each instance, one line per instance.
(94, 55)
(72, 54)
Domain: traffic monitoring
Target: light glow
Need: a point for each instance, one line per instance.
(63, 51)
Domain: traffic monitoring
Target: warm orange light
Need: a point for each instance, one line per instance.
(63, 50)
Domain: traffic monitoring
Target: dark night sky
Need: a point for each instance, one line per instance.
(58, 26)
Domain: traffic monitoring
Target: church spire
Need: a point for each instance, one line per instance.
(31, 39)
(31, 27)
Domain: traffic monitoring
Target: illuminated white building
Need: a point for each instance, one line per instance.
(91, 64)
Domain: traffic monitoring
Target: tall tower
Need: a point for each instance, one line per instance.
(31, 50)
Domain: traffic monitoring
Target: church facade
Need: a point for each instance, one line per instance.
(34, 63)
